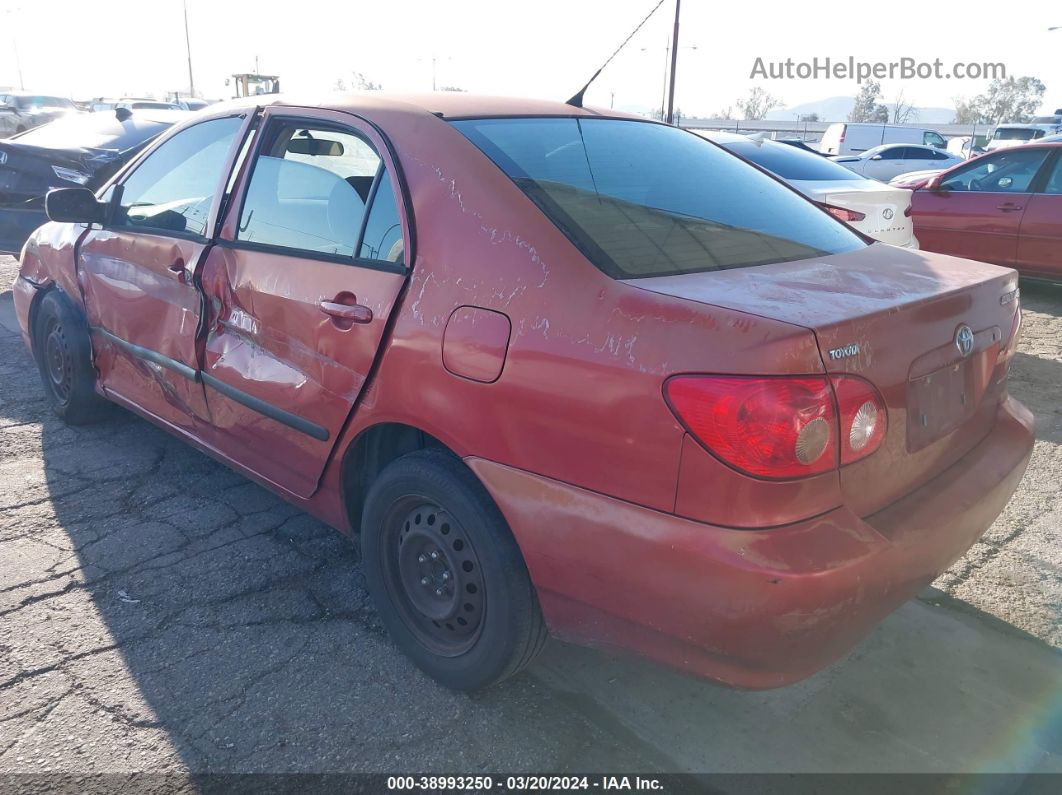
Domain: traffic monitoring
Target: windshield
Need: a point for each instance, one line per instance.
(641, 199)
(1016, 134)
(789, 162)
(27, 103)
(93, 131)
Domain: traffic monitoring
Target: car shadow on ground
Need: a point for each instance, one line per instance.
(177, 610)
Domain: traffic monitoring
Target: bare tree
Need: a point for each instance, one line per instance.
(808, 117)
(451, 88)
(362, 83)
(757, 104)
(340, 84)
(902, 111)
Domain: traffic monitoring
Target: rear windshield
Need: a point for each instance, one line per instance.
(1016, 134)
(642, 199)
(789, 162)
(93, 131)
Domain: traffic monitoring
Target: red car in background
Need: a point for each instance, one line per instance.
(553, 368)
(1004, 207)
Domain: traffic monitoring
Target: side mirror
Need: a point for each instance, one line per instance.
(876, 157)
(73, 206)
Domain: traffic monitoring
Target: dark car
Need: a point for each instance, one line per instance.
(799, 144)
(82, 149)
(552, 368)
(20, 111)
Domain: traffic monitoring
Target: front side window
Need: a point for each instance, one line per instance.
(886, 153)
(1054, 181)
(931, 138)
(173, 188)
(309, 189)
(1009, 171)
(642, 199)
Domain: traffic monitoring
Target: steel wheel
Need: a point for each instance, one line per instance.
(57, 361)
(435, 576)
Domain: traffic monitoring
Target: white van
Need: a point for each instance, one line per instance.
(851, 138)
(1007, 135)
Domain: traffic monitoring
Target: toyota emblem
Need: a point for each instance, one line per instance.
(887, 213)
(964, 340)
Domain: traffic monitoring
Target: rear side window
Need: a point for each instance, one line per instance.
(309, 190)
(642, 199)
(383, 229)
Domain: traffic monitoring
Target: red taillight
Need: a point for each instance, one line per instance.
(863, 417)
(845, 215)
(768, 427)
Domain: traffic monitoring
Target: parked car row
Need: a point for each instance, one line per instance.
(20, 111)
(552, 368)
(78, 149)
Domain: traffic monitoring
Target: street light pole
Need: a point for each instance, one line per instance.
(674, 63)
(188, 49)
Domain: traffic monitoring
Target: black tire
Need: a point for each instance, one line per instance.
(481, 625)
(63, 352)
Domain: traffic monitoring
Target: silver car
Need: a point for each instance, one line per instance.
(876, 210)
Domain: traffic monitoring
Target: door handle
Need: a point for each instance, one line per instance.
(177, 266)
(1009, 207)
(354, 313)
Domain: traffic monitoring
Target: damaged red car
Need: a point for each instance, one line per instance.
(556, 370)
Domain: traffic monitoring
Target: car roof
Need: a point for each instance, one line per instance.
(447, 104)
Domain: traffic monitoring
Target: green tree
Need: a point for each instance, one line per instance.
(1014, 99)
(867, 107)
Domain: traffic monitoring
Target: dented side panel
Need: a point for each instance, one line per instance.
(139, 291)
(268, 338)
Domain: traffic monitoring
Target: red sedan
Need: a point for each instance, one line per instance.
(1004, 207)
(553, 368)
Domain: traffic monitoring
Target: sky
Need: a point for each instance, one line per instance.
(545, 48)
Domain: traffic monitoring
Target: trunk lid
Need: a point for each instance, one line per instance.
(891, 316)
(884, 207)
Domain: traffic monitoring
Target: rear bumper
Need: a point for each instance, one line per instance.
(752, 608)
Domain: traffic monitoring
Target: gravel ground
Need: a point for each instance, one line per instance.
(163, 613)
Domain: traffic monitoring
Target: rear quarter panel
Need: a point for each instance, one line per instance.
(580, 396)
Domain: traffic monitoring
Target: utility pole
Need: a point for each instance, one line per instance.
(674, 63)
(188, 48)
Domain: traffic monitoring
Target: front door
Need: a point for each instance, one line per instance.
(138, 272)
(1040, 238)
(978, 209)
(309, 265)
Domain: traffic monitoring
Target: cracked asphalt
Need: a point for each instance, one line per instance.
(162, 613)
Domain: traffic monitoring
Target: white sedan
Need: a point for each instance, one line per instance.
(876, 210)
(890, 160)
